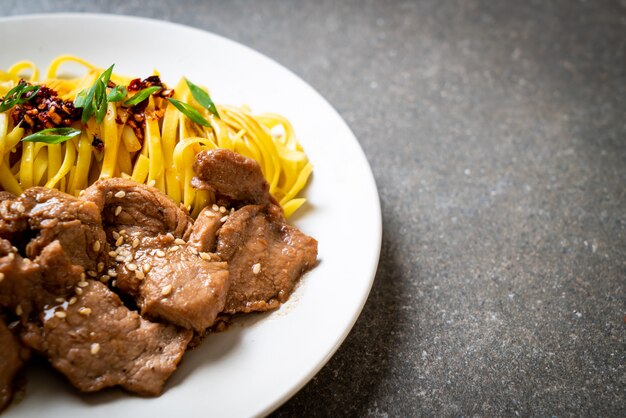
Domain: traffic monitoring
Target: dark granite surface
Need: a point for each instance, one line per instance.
(497, 134)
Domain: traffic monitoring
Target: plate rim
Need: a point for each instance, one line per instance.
(377, 229)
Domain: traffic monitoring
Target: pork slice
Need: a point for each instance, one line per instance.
(265, 255)
(173, 282)
(204, 231)
(142, 209)
(12, 358)
(56, 216)
(28, 286)
(12, 221)
(147, 234)
(231, 176)
(96, 342)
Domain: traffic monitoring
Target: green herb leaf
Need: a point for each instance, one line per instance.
(142, 95)
(117, 94)
(17, 95)
(203, 98)
(101, 101)
(190, 112)
(52, 135)
(94, 100)
(80, 99)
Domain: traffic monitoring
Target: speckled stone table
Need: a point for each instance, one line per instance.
(497, 135)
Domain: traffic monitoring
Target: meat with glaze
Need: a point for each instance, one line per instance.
(266, 257)
(12, 358)
(96, 342)
(231, 176)
(169, 280)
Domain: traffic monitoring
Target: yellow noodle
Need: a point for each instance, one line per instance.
(68, 163)
(18, 67)
(111, 142)
(163, 158)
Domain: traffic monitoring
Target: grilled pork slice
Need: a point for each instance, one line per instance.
(265, 255)
(40, 216)
(12, 358)
(28, 286)
(234, 178)
(152, 262)
(96, 342)
(172, 281)
(134, 207)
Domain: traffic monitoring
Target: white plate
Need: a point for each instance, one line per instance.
(250, 369)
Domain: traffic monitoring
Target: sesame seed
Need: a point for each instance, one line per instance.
(179, 241)
(146, 268)
(128, 258)
(59, 300)
(224, 218)
(84, 311)
(27, 261)
(83, 284)
(60, 314)
(166, 290)
(83, 276)
(160, 253)
(11, 256)
(139, 274)
(72, 300)
(174, 248)
(82, 192)
(112, 254)
(120, 194)
(20, 207)
(222, 209)
(193, 251)
(92, 273)
(112, 273)
(14, 248)
(169, 235)
(78, 291)
(118, 210)
(100, 266)
(232, 210)
(123, 232)
(19, 310)
(119, 258)
(135, 242)
(95, 348)
(96, 246)
(152, 182)
(115, 234)
(1, 277)
(105, 278)
(119, 241)
(215, 207)
(205, 256)
(256, 268)
(131, 266)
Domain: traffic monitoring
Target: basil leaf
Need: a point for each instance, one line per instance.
(17, 95)
(189, 111)
(142, 95)
(52, 135)
(203, 98)
(117, 94)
